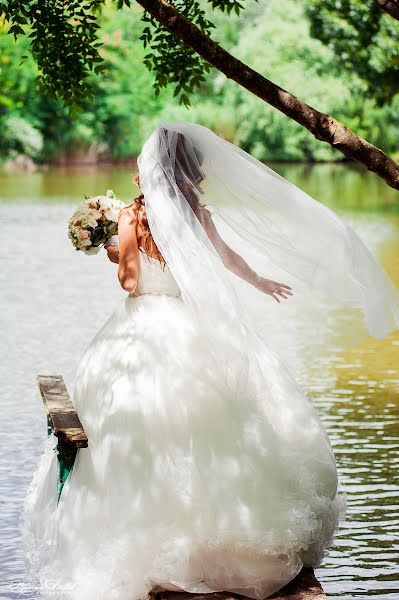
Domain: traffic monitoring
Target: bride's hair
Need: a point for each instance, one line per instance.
(186, 161)
(144, 236)
(186, 164)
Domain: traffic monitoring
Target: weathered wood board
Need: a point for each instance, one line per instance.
(60, 410)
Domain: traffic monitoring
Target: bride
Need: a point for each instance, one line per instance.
(207, 468)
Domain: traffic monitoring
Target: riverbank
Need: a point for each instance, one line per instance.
(24, 164)
(337, 184)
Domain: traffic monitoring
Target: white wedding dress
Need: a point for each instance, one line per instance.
(184, 485)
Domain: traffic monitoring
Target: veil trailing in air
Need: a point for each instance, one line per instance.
(184, 170)
(185, 167)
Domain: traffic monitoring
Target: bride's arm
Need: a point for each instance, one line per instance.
(128, 270)
(235, 263)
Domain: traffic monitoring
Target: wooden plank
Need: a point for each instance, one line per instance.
(303, 587)
(60, 410)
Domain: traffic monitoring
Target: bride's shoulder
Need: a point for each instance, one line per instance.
(132, 210)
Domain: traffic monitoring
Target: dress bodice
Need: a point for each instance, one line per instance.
(154, 279)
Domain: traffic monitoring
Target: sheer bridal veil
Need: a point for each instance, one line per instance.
(184, 166)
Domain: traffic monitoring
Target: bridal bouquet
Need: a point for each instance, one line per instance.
(94, 222)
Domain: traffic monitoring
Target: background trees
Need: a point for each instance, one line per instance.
(273, 37)
(363, 38)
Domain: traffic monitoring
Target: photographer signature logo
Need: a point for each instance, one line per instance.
(24, 589)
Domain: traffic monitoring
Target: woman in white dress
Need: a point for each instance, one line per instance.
(207, 467)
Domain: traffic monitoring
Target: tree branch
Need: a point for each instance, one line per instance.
(322, 126)
(390, 6)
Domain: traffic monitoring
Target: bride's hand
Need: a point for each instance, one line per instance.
(273, 288)
(112, 248)
(113, 254)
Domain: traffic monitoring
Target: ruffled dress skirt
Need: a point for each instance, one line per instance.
(184, 485)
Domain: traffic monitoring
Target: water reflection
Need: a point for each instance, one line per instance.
(54, 300)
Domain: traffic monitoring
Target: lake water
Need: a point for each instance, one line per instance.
(54, 300)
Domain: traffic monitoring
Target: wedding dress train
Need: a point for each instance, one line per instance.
(184, 484)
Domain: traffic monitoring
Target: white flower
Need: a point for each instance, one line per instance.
(90, 202)
(89, 221)
(112, 214)
(95, 213)
(82, 243)
(105, 202)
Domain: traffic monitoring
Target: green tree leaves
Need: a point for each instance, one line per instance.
(64, 42)
(171, 60)
(363, 38)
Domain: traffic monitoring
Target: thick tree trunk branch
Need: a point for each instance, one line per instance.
(390, 6)
(322, 126)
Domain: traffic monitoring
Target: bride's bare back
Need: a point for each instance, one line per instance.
(135, 235)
